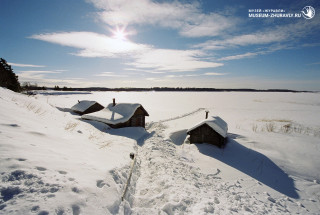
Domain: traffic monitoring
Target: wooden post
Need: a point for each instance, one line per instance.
(128, 181)
(207, 112)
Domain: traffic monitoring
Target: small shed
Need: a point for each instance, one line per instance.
(120, 115)
(212, 130)
(85, 107)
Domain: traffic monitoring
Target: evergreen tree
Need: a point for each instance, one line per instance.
(7, 77)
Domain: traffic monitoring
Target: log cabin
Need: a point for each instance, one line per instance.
(120, 115)
(213, 131)
(85, 107)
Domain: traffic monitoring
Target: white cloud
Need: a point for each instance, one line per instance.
(144, 70)
(187, 18)
(174, 76)
(38, 72)
(40, 77)
(172, 60)
(155, 80)
(25, 65)
(239, 56)
(259, 38)
(316, 63)
(61, 70)
(92, 44)
(34, 76)
(206, 25)
(196, 75)
(142, 56)
(214, 73)
(111, 74)
(270, 35)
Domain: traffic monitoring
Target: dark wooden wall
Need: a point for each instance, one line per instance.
(205, 134)
(94, 108)
(137, 120)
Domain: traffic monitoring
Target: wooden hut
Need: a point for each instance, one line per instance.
(213, 130)
(85, 107)
(120, 115)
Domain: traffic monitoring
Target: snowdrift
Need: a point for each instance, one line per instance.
(52, 162)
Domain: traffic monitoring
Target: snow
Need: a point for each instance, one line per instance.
(113, 115)
(82, 106)
(53, 162)
(216, 123)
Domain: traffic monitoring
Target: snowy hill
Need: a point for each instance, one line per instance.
(52, 162)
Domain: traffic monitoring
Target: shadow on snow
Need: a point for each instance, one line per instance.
(248, 161)
(67, 110)
(252, 163)
(139, 134)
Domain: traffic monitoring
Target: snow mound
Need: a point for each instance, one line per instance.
(53, 163)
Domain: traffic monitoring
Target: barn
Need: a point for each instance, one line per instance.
(120, 115)
(212, 130)
(85, 107)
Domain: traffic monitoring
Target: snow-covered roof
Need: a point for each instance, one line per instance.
(113, 115)
(83, 105)
(216, 123)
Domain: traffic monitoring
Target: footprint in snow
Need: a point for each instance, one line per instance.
(41, 168)
(35, 208)
(11, 125)
(101, 183)
(216, 200)
(76, 209)
(36, 133)
(62, 172)
(75, 190)
(43, 213)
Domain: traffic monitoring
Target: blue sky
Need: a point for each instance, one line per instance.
(147, 43)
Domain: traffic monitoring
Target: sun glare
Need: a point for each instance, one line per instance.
(120, 42)
(119, 34)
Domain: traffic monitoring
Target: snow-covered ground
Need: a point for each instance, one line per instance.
(52, 162)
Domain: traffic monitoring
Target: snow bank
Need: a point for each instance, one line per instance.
(53, 163)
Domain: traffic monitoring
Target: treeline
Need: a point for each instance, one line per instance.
(8, 78)
(27, 86)
(63, 88)
(172, 89)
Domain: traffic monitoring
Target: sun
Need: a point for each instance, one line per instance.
(120, 34)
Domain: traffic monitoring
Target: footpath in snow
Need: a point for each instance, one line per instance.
(167, 180)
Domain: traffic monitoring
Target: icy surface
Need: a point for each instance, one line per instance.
(53, 162)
